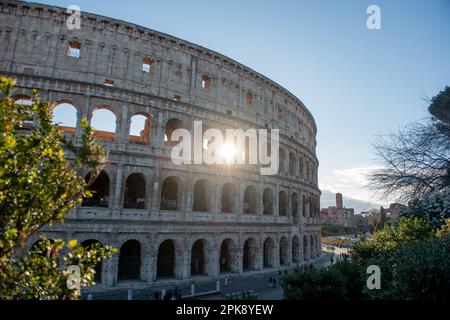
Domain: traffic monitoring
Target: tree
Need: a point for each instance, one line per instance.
(38, 186)
(416, 161)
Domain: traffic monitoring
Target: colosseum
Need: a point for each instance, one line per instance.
(171, 223)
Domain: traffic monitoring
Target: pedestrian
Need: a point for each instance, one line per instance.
(163, 294)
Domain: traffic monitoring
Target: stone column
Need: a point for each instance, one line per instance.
(118, 187)
(123, 126)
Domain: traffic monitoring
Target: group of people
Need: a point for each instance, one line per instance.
(167, 295)
(275, 281)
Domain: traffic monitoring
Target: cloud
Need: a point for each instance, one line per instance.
(351, 182)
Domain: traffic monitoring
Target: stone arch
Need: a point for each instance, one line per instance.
(282, 159)
(295, 250)
(305, 248)
(170, 194)
(304, 206)
(134, 195)
(64, 114)
(227, 255)
(227, 201)
(269, 253)
(171, 125)
(129, 261)
(201, 197)
(284, 259)
(282, 203)
(104, 120)
(140, 128)
(311, 244)
(99, 189)
(250, 200)
(98, 267)
(292, 163)
(166, 260)
(294, 207)
(198, 258)
(249, 252)
(268, 201)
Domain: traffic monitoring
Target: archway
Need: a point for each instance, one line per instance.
(305, 248)
(268, 201)
(295, 250)
(201, 199)
(249, 255)
(171, 126)
(134, 196)
(226, 255)
(250, 200)
(166, 260)
(65, 116)
(312, 249)
(268, 253)
(99, 189)
(227, 198)
(294, 207)
(140, 129)
(283, 203)
(198, 258)
(130, 261)
(169, 194)
(292, 164)
(104, 123)
(283, 251)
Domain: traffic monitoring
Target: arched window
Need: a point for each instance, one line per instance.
(312, 249)
(98, 267)
(294, 207)
(171, 126)
(305, 248)
(65, 116)
(198, 258)
(250, 200)
(169, 194)
(201, 198)
(295, 250)
(130, 261)
(227, 198)
(269, 253)
(304, 206)
(134, 197)
(104, 123)
(301, 168)
(283, 251)
(268, 201)
(249, 255)
(140, 129)
(166, 259)
(282, 160)
(99, 189)
(282, 203)
(292, 164)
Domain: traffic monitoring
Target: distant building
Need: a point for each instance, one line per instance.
(338, 215)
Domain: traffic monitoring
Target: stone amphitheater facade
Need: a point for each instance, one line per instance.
(171, 222)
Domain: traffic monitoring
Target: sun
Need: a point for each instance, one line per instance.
(228, 151)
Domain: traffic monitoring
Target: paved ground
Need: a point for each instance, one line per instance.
(256, 281)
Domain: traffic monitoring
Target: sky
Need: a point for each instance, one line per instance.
(358, 83)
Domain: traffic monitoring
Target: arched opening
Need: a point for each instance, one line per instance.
(169, 194)
(249, 255)
(283, 251)
(140, 129)
(198, 258)
(294, 207)
(130, 261)
(134, 192)
(250, 200)
(40, 250)
(318, 248)
(295, 250)
(282, 203)
(104, 123)
(99, 189)
(292, 164)
(201, 196)
(225, 260)
(310, 206)
(304, 206)
(301, 169)
(268, 201)
(98, 267)
(312, 249)
(65, 116)
(227, 198)
(282, 160)
(305, 248)
(171, 126)
(268, 253)
(166, 260)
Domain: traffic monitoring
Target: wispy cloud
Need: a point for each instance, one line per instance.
(351, 182)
